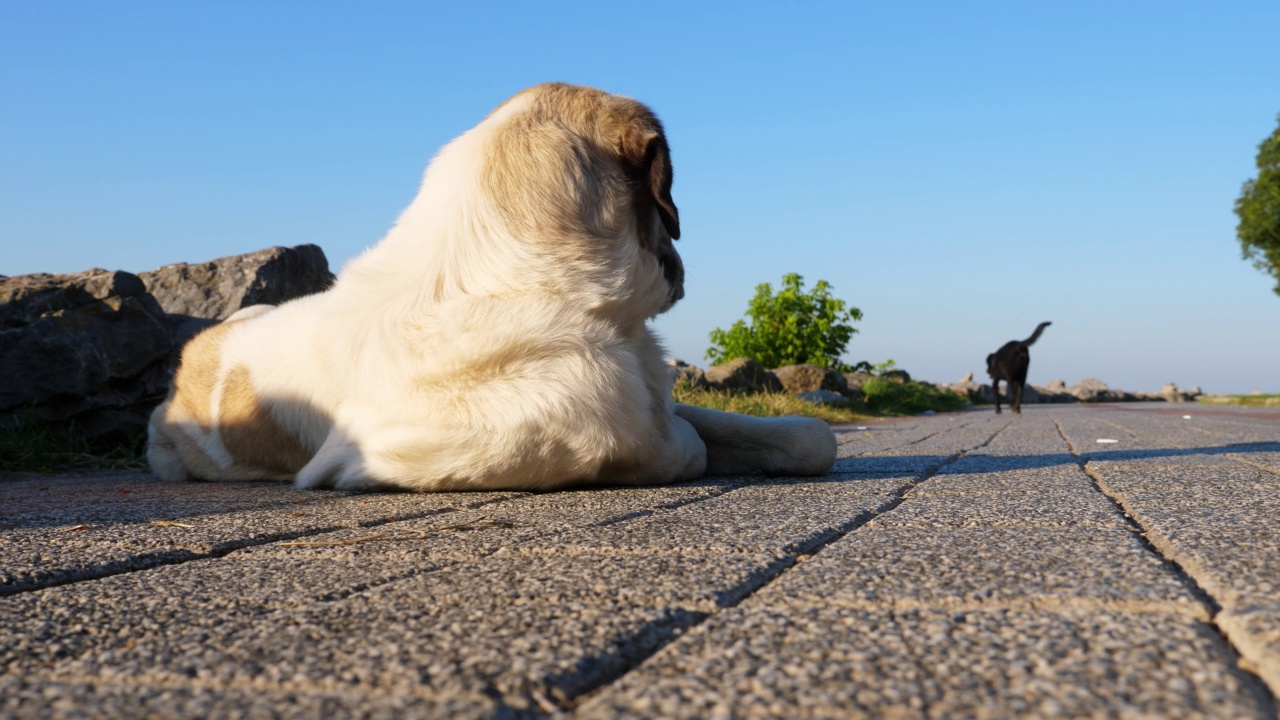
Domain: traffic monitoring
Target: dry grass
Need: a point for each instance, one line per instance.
(31, 446)
(765, 404)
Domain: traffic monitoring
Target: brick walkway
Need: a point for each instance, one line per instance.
(962, 565)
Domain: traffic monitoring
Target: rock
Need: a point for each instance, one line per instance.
(1031, 396)
(1091, 390)
(1170, 393)
(215, 289)
(898, 376)
(824, 397)
(967, 388)
(854, 380)
(90, 346)
(1054, 392)
(682, 373)
(798, 379)
(742, 375)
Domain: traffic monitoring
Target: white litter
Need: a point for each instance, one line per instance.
(1186, 417)
(1107, 440)
(861, 427)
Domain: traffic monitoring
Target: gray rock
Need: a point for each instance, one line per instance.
(685, 374)
(1091, 390)
(898, 376)
(214, 290)
(968, 388)
(854, 380)
(1170, 393)
(742, 375)
(89, 346)
(798, 379)
(1054, 392)
(824, 397)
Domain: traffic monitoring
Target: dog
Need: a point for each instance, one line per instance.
(494, 339)
(1010, 363)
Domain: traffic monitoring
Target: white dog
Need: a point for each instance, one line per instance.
(494, 339)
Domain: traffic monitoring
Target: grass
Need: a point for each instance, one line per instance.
(33, 446)
(1257, 400)
(883, 398)
(764, 404)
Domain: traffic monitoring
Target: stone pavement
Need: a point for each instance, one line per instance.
(960, 565)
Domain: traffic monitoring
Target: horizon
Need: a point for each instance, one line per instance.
(958, 174)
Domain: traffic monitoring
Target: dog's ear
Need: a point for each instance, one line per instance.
(645, 148)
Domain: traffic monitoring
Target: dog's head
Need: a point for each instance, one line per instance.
(586, 176)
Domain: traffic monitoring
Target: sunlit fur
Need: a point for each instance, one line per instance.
(495, 338)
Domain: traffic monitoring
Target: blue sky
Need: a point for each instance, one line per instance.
(959, 171)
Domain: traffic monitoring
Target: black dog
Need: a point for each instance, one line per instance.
(1010, 364)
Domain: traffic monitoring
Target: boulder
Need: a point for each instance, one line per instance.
(214, 290)
(1091, 390)
(798, 379)
(90, 347)
(1054, 392)
(1030, 396)
(682, 373)
(1170, 393)
(854, 380)
(966, 387)
(742, 375)
(824, 397)
(899, 376)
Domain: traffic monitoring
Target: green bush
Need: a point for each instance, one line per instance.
(790, 327)
(890, 397)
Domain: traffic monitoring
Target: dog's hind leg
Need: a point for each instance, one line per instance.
(1016, 401)
(337, 464)
(742, 445)
(162, 451)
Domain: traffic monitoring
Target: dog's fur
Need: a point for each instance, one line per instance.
(495, 338)
(1010, 363)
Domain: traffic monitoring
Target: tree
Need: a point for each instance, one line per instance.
(789, 328)
(1259, 211)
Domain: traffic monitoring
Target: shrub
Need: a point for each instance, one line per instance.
(789, 328)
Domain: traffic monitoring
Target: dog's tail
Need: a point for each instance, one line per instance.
(1036, 335)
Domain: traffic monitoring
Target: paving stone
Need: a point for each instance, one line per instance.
(953, 566)
(990, 567)
(1045, 509)
(1188, 475)
(754, 661)
(1223, 544)
(735, 522)
(20, 698)
(1254, 628)
(960, 479)
(101, 541)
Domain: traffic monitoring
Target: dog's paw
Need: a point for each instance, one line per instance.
(810, 448)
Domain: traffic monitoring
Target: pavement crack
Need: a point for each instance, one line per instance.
(161, 558)
(792, 556)
(1211, 605)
